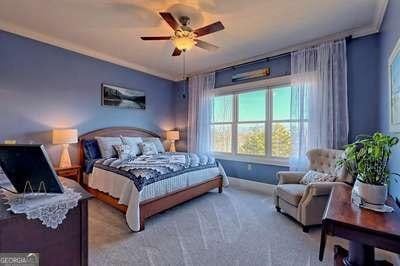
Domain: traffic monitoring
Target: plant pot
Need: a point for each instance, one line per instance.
(373, 194)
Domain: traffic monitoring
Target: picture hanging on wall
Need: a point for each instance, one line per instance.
(394, 89)
(122, 97)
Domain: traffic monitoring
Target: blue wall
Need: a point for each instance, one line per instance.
(362, 57)
(390, 33)
(44, 87)
(181, 114)
(362, 82)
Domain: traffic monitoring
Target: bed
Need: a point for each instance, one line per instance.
(117, 182)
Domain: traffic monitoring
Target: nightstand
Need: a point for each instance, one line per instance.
(73, 172)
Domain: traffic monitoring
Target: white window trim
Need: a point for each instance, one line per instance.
(267, 159)
(252, 159)
(272, 82)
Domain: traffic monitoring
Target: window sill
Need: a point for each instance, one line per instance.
(251, 159)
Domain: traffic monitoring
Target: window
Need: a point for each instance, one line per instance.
(253, 124)
(281, 140)
(221, 128)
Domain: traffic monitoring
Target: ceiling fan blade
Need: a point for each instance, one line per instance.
(206, 45)
(176, 52)
(217, 26)
(170, 20)
(156, 38)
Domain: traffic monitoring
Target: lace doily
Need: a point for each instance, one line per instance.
(50, 208)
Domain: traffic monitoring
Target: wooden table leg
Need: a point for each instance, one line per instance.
(360, 254)
(322, 243)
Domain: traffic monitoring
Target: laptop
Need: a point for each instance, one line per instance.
(29, 162)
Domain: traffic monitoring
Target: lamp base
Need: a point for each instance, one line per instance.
(172, 146)
(65, 160)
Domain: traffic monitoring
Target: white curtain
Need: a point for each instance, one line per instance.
(199, 113)
(319, 100)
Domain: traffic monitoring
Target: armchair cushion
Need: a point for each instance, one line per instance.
(322, 188)
(291, 193)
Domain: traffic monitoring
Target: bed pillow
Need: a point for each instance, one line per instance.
(133, 142)
(148, 148)
(91, 149)
(125, 152)
(106, 146)
(314, 176)
(157, 143)
(92, 153)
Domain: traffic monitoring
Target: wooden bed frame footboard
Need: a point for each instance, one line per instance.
(156, 205)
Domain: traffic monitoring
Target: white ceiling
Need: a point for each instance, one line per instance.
(110, 29)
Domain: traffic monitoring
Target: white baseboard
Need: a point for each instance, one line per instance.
(251, 185)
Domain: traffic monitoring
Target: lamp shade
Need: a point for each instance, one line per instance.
(173, 135)
(65, 136)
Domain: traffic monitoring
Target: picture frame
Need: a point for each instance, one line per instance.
(122, 97)
(394, 89)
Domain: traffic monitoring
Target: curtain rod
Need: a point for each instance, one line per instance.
(269, 58)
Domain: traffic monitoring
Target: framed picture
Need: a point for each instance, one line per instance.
(122, 97)
(394, 89)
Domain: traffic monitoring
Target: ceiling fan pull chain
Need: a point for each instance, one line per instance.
(184, 65)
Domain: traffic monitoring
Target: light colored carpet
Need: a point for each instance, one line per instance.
(237, 227)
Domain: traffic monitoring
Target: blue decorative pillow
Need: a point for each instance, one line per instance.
(91, 149)
(92, 153)
(89, 164)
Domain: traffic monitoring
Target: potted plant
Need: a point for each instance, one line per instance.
(367, 158)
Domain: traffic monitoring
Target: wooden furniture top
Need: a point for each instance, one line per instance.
(341, 210)
(5, 214)
(73, 167)
(118, 131)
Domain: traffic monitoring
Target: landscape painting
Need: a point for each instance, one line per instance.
(121, 97)
(394, 79)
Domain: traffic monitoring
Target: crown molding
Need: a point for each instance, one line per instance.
(355, 33)
(24, 32)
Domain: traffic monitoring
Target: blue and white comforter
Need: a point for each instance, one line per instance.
(148, 169)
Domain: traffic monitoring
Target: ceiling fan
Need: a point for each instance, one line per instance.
(184, 37)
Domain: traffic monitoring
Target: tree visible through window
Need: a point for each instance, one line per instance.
(255, 123)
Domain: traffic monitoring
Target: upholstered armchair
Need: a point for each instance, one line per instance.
(306, 203)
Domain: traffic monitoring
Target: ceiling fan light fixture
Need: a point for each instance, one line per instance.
(184, 40)
(184, 43)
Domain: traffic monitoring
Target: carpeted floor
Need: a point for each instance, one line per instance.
(237, 227)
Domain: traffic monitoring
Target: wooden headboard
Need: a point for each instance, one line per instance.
(112, 132)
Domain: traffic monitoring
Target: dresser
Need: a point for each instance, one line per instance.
(66, 245)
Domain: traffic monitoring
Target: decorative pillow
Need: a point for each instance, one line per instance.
(106, 146)
(91, 149)
(157, 143)
(148, 148)
(89, 164)
(133, 142)
(314, 176)
(125, 152)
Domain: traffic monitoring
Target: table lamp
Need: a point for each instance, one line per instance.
(65, 137)
(172, 135)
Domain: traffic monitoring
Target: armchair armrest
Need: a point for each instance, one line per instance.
(289, 177)
(321, 188)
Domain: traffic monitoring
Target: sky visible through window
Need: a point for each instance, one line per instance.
(252, 106)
